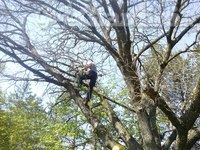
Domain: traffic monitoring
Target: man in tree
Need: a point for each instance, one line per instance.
(91, 74)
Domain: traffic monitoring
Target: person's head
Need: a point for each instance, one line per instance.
(90, 61)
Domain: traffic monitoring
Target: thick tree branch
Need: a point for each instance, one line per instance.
(93, 10)
(181, 52)
(173, 20)
(193, 136)
(124, 12)
(117, 11)
(170, 41)
(35, 56)
(145, 128)
(163, 106)
(193, 111)
(153, 122)
(46, 78)
(189, 27)
(150, 45)
(169, 140)
(122, 31)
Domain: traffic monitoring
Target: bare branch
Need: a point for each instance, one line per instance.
(46, 78)
(150, 45)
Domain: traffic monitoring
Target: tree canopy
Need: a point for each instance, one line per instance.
(148, 43)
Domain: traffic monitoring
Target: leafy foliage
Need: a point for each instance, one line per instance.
(25, 125)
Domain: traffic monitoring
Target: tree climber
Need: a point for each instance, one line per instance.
(91, 74)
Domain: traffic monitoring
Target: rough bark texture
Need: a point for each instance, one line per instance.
(147, 135)
(155, 131)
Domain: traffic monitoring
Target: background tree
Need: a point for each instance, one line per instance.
(48, 38)
(26, 125)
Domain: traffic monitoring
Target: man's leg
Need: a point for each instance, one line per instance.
(92, 83)
(89, 94)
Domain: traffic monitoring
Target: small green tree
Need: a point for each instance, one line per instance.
(25, 124)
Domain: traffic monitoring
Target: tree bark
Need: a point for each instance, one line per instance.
(146, 132)
(152, 115)
(193, 136)
(181, 141)
(133, 83)
(170, 140)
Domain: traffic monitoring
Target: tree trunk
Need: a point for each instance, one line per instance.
(181, 141)
(133, 83)
(145, 128)
(152, 115)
